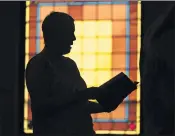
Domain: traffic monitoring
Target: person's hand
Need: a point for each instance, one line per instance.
(94, 92)
(91, 92)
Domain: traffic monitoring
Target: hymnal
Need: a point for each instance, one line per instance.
(115, 91)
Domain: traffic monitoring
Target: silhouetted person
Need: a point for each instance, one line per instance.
(158, 76)
(59, 95)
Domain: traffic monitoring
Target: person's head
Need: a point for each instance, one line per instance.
(58, 32)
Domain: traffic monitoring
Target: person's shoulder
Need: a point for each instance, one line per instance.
(36, 64)
(70, 61)
(36, 60)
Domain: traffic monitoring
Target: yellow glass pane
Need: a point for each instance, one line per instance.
(27, 45)
(76, 48)
(67, 55)
(27, 29)
(77, 58)
(89, 45)
(78, 28)
(42, 44)
(26, 52)
(104, 61)
(104, 28)
(89, 77)
(89, 61)
(41, 32)
(44, 11)
(103, 76)
(27, 13)
(89, 28)
(104, 45)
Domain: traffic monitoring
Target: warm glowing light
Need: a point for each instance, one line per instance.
(103, 49)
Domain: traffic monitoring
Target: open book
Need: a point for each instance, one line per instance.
(115, 91)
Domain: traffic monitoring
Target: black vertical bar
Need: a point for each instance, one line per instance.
(150, 11)
(21, 68)
(9, 41)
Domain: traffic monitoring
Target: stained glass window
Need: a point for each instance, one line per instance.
(108, 37)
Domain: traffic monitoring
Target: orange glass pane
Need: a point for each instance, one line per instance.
(119, 113)
(133, 10)
(133, 61)
(119, 61)
(116, 72)
(133, 44)
(119, 12)
(133, 29)
(32, 29)
(133, 96)
(119, 44)
(44, 11)
(89, 12)
(61, 9)
(104, 12)
(75, 12)
(119, 28)
(32, 45)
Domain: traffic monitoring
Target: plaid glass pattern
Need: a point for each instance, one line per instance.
(108, 42)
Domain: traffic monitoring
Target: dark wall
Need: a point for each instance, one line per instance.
(12, 24)
(150, 11)
(11, 30)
